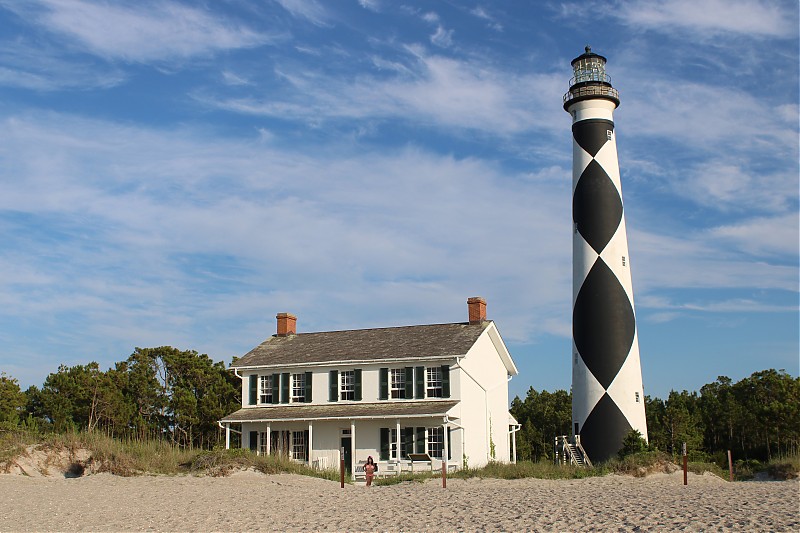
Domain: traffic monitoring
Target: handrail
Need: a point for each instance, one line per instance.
(591, 90)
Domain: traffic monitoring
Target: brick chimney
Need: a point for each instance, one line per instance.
(477, 310)
(287, 324)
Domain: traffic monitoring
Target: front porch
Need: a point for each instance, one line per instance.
(321, 435)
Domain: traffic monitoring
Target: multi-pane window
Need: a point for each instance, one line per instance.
(262, 443)
(298, 445)
(398, 382)
(434, 379)
(436, 442)
(348, 381)
(265, 390)
(298, 387)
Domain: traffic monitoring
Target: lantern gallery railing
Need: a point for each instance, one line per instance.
(591, 90)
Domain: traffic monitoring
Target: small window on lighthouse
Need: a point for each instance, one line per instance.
(637, 397)
(623, 260)
(609, 133)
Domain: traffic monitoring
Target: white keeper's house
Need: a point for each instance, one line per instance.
(439, 389)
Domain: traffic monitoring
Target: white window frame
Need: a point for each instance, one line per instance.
(434, 444)
(397, 383)
(434, 382)
(265, 391)
(298, 388)
(298, 449)
(347, 385)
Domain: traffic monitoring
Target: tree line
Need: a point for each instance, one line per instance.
(169, 394)
(156, 393)
(756, 418)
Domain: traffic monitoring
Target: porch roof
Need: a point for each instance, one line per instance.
(338, 411)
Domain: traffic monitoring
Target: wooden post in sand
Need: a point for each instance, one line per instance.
(730, 466)
(444, 473)
(341, 466)
(685, 465)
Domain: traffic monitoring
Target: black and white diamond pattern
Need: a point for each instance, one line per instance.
(606, 367)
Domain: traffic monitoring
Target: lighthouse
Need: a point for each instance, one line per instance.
(607, 391)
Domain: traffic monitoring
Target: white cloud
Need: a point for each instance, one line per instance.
(148, 31)
(431, 90)
(27, 66)
(230, 78)
(764, 236)
(442, 37)
(481, 13)
(431, 17)
(710, 17)
(372, 5)
(310, 10)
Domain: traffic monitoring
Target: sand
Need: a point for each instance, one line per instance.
(248, 501)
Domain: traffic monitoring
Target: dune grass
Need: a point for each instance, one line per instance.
(129, 457)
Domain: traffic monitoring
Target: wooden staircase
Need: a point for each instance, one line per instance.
(570, 451)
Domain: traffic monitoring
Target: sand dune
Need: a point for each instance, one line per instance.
(249, 501)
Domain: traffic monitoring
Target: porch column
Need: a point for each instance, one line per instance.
(514, 446)
(269, 438)
(398, 440)
(353, 445)
(228, 436)
(310, 440)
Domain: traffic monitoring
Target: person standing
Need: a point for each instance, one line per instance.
(369, 470)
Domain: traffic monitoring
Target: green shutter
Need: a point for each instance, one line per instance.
(420, 447)
(253, 389)
(285, 387)
(445, 381)
(254, 441)
(449, 444)
(409, 382)
(333, 386)
(420, 383)
(385, 435)
(276, 388)
(408, 442)
(357, 384)
(383, 384)
(308, 445)
(307, 392)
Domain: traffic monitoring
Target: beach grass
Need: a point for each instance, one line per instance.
(131, 457)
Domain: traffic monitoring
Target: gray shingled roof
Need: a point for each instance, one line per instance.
(379, 344)
(331, 411)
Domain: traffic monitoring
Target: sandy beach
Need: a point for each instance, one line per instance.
(249, 501)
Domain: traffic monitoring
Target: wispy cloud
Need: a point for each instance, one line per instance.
(25, 66)
(310, 10)
(711, 17)
(372, 5)
(442, 37)
(430, 89)
(481, 13)
(148, 31)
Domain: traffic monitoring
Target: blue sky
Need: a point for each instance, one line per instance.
(176, 173)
